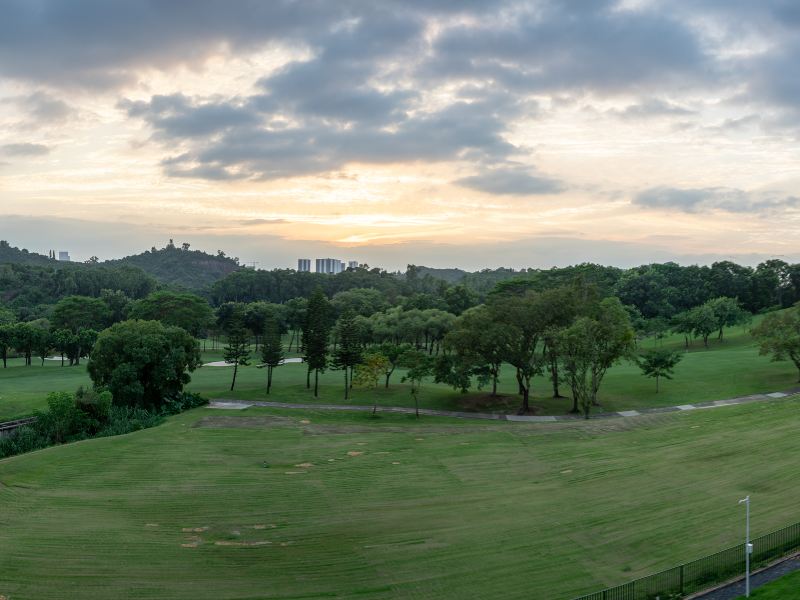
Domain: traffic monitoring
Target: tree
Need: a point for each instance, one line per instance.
(24, 339)
(779, 335)
(237, 351)
(523, 319)
(271, 349)
(62, 339)
(187, 311)
(42, 344)
(315, 336)
(591, 345)
(80, 312)
(612, 339)
(143, 363)
(348, 353)
(6, 342)
(704, 321)
(728, 313)
(368, 373)
(392, 352)
(419, 365)
(659, 363)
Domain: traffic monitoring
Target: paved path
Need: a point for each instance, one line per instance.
(736, 589)
(242, 404)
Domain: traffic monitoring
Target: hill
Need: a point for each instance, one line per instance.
(12, 254)
(181, 267)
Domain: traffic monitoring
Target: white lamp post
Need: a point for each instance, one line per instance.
(748, 547)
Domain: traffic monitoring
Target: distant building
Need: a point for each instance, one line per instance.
(304, 265)
(63, 256)
(352, 264)
(331, 266)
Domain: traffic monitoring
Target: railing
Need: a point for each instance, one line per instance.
(705, 572)
(9, 427)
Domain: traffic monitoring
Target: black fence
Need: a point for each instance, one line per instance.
(704, 572)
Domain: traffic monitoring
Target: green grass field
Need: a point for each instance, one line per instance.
(728, 369)
(392, 507)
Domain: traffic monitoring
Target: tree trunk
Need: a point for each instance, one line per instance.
(316, 383)
(346, 385)
(705, 340)
(525, 403)
(574, 402)
(291, 341)
(269, 378)
(415, 393)
(387, 380)
(494, 383)
(554, 378)
(235, 370)
(308, 378)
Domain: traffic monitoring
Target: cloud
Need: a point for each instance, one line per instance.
(176, 116)
(695, 200)
(24, 149)
(653, 107)
(514, 181)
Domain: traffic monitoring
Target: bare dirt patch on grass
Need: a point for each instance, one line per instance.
(262, 422)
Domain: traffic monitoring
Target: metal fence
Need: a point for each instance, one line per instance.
(705, 572)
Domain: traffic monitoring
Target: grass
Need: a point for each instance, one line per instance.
(435, 508)
(725, 370)
(785, 588)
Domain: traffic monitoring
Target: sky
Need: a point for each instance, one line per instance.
(446, 133)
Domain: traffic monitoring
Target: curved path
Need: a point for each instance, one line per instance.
(735, 590)
(242, 404)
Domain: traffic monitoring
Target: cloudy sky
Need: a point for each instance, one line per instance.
(447, 133)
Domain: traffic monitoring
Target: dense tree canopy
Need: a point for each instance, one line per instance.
(143, 363)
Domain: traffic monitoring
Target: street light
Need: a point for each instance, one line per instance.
(748, 547)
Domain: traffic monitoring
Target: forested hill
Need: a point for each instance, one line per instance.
(181, 266)
(448, 275)
(12, 254)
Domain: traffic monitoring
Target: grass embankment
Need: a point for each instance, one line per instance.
(391, 507)
(724, 370)
(785, 588)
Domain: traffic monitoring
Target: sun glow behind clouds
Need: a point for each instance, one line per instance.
(396, 125)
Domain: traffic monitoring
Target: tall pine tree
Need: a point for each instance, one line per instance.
(237, 352)
(315, 335)
(271, 349)
(348, 353)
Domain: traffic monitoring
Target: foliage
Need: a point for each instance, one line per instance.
(418, 366)
(659, 363)
(348, 352)
(778, 335)
(271, 350)
(368, 373)
(315, 335)
(184, 310)
(142, 363)
(237, 350)
(182, 267)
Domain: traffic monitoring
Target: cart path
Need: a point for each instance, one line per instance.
(222, 403)
(734, 590)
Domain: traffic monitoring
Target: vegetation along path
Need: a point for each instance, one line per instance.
(239, 404)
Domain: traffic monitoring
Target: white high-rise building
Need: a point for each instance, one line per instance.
(352, 264)
(331, 266)
(304, 265)
(63, 256)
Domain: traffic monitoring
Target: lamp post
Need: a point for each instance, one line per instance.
(748, 547)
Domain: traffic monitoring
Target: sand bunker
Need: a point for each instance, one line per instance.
(354, 453)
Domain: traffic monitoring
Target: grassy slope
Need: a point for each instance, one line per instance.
(471, 510)
(728, 369)
(785, 588)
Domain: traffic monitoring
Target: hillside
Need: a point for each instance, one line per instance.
(181, 267)
(12, 254)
